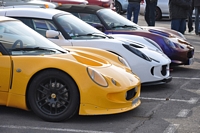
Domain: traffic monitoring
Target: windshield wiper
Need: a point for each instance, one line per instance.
(36, 48)
(124, 26)
(91, 34)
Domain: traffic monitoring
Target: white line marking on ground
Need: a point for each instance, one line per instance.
(183, 113)
(51, 129)
(186, 78)
(171, 128)
(191, 101)
(198, 91)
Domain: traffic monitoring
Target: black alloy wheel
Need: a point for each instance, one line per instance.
(53, 96)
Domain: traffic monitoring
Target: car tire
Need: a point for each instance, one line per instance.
(123, 12)
(158, 14)
(53, 96)
(118, 7)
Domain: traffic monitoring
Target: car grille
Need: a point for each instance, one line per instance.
(190, 53)
(164, 70)
(131, 93)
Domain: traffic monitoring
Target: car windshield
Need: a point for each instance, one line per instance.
(19, 39)
(78, 29)
(115, 21)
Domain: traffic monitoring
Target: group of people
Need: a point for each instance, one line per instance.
(179, 10)
(134, 8)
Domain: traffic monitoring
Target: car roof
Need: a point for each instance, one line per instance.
(33, 12)
(76, 8)
(2, 18)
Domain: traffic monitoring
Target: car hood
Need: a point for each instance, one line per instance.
(83, 58)
(138, 39)
(164, 31)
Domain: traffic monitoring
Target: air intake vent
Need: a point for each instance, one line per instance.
(130, 94)
(164, 70)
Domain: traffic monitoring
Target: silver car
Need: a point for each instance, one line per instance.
(162, 9)
(121, 6)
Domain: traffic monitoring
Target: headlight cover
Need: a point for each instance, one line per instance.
(123, 61)
(97, 77)
(153, 43)
(182, 36)
(170, 43)
(137, 52)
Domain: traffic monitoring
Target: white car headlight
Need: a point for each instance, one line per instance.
(123, 61)
(97, 77)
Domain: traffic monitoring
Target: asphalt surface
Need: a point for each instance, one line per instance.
(169, 108)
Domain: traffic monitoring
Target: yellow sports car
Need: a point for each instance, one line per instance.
(37, 75)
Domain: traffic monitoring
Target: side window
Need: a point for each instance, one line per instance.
(26, 21)
(89, 17)
(9, 38)
(76, 14)
(42, 25)
(4, 34)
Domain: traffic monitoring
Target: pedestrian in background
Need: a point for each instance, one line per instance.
(178, 13)
(133, 8)
(196, 5)
(150, 11)
(190, 21)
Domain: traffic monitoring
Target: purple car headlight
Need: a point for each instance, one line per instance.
(169, 43)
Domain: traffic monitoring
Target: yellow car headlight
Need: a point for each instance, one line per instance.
(123, 61)
(97, 77)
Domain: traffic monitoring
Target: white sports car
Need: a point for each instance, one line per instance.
(64, 29)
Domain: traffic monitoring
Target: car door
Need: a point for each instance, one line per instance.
(5, 64)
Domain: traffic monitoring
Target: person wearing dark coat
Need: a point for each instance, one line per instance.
(190, 21)
(133, 8)
(178, 12)
(150, 10)
(196, 4)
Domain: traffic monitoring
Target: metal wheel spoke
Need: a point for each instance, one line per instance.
(65, 100)
(61, 105)
(61, 87)
(45, 93)
(63, 92)
(44, 87)
(42, 99)
(44, 104)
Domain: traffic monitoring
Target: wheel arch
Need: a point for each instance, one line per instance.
(120, 6)
(37, 73)
(158, 17)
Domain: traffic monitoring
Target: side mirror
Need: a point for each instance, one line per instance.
(54, 34)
